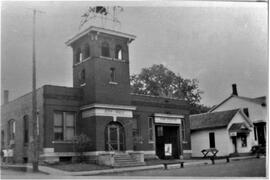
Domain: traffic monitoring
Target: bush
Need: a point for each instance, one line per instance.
(81, 144)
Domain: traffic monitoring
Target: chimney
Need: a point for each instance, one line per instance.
(234, 90)
(5, 96)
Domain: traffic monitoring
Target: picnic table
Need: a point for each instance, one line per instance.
(211, 153)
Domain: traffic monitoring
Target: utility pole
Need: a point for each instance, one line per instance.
(35, 144)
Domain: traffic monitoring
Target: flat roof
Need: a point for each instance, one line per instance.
(99, 29)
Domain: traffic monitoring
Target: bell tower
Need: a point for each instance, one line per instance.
(101, 65)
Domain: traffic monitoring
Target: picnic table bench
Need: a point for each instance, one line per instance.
(176, 162)
(211, 153)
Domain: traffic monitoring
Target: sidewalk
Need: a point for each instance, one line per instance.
(57, 172)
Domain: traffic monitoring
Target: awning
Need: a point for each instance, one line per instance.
(239, 128)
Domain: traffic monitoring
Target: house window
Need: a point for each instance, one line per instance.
(212, 140)
(86, 51)
(160, 131)
(246, 112)
(150, 129)
(118, 52)
(112, 74)
(26, 128)
(183, 124)
(244, 141)
(105, 49)
(12, 129)
(2, 138)
(64, 125)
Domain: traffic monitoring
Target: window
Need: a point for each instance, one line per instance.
(105, 50)
(2, 138)
(79, 56)
(112, 74)
(244, 141)
(11, 128)
(26, 128)
(246, 112)
(64, 125)
(160, 131)
(183, 124)
(150, 129)
(118, 52)
(86, 52)
(82, 76)
(212, 140)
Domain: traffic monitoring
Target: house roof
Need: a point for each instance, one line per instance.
(259, 100)
(211, 119)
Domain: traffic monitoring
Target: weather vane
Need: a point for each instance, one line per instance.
(103, 13)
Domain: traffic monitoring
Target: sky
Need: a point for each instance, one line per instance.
(218, 43)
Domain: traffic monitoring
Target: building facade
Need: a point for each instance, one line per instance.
(100, 105)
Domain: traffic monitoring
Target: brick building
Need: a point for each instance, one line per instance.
(100, 104)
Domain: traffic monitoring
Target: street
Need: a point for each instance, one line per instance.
(241, 168)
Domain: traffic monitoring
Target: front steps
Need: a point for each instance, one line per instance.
(126, 160)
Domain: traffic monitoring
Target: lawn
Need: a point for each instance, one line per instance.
(76, 167)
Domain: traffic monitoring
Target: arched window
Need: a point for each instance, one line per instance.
(105, 49)
(25, 128)
(86, 51)
(78, 55)
(118, 52)
(11, 131)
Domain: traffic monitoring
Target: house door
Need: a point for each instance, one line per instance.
(114, 137)
(261, 133)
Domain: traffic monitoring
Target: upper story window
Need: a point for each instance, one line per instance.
(2, 138)
(118, 52)
(25, 128)
(86, 51)
(78, 55)
(11, 131)
(112, 74)
(82, 76)
(64, 125)
(105, 49)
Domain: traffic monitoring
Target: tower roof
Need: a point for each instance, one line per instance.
(99, 30)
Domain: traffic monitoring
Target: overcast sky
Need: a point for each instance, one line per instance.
(216, 43)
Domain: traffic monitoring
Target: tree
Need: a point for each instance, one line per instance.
(81, 143)
(158, 80)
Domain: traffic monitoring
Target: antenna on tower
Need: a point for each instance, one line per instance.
(105, 14)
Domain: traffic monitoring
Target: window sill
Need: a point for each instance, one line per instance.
(112, 82)
(63, 142)
(104, 57)
(83, 84)
(151, 142)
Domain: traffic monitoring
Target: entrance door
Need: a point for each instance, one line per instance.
(115, 137)
(261, 134)
(167, 142)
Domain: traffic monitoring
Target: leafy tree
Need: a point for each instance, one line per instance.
(81, 144)
(158, 80)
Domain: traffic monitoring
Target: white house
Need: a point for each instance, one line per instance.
(231, 132)
(254, 108)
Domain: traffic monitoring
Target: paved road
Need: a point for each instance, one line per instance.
(242, 168)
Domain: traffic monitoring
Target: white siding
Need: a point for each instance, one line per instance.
(200, 141)
(256, 111)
